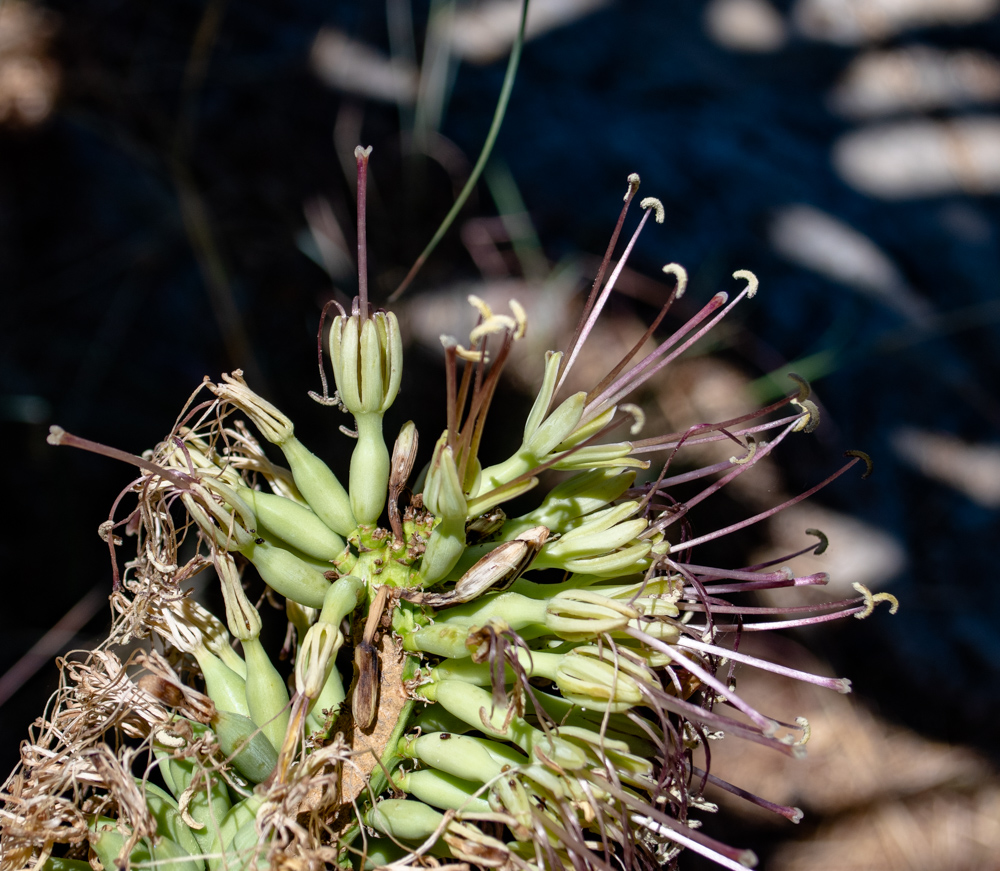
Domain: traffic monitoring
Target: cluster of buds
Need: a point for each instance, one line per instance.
(517, 692)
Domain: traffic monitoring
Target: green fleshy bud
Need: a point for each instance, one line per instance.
(404, 820)
(295, 524)
(344, 595)
(458, 755)
(165, 853)
(239, 815)
(320, 487)
(442, 790)
(367, 354)
(313, 478)
(206, 805)
(287, 574)
(241, 740)
(475, 706)
(267, 695)
(169, 823)
(582, 615)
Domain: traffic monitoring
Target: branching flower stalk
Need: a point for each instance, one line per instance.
(468, 687)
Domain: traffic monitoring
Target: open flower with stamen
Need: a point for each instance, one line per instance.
(526, 692)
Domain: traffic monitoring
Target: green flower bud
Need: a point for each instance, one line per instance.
(475, 706)
(163, 808)
(344, 595)
(294, 523)
(239, 815)
(267, 695)
(404, 820)
(442, 790)
(595, 678)
(166, 854)
(458, 755)
(244, 744)
(313, 478)
(287, 574)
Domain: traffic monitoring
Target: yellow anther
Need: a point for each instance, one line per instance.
(751, 280)
(485, 312)
(633, 185)
(638, 417)
(871, 600)
(494, 324)
(810, 420)
(751, 452)
(657, 206)
(520, 318)
(680, 273)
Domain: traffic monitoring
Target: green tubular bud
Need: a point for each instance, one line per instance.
(612, 565)
(239, 815)
(474, 705)
(445, 546)
(381, 853)
(576, 497)
(267, 694)
(295, 524)
(442, 790)
(544, 398)
(344, 595)
(246, 849)
(441, 639)
(245, 745)
(163, 807)
(434, 718)
(404, 820)
(223, 685)
(319, 487)
(445, 499)
(557, 426)
(165, 853)
(286, 574)
(458, 755)
(505, 754)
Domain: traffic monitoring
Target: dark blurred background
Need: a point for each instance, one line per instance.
(177, 200)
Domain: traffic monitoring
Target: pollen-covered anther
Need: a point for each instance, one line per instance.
(520, 318)
(750, 279)
(805, 389)
(751, 452)
(810, 420)
(633, 185)
(872, 599)
(680, 273)
(638, 416)
(653, 203)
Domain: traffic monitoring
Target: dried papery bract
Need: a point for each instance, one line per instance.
(469, 687)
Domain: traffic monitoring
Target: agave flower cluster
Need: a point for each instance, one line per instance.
(467, 686)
